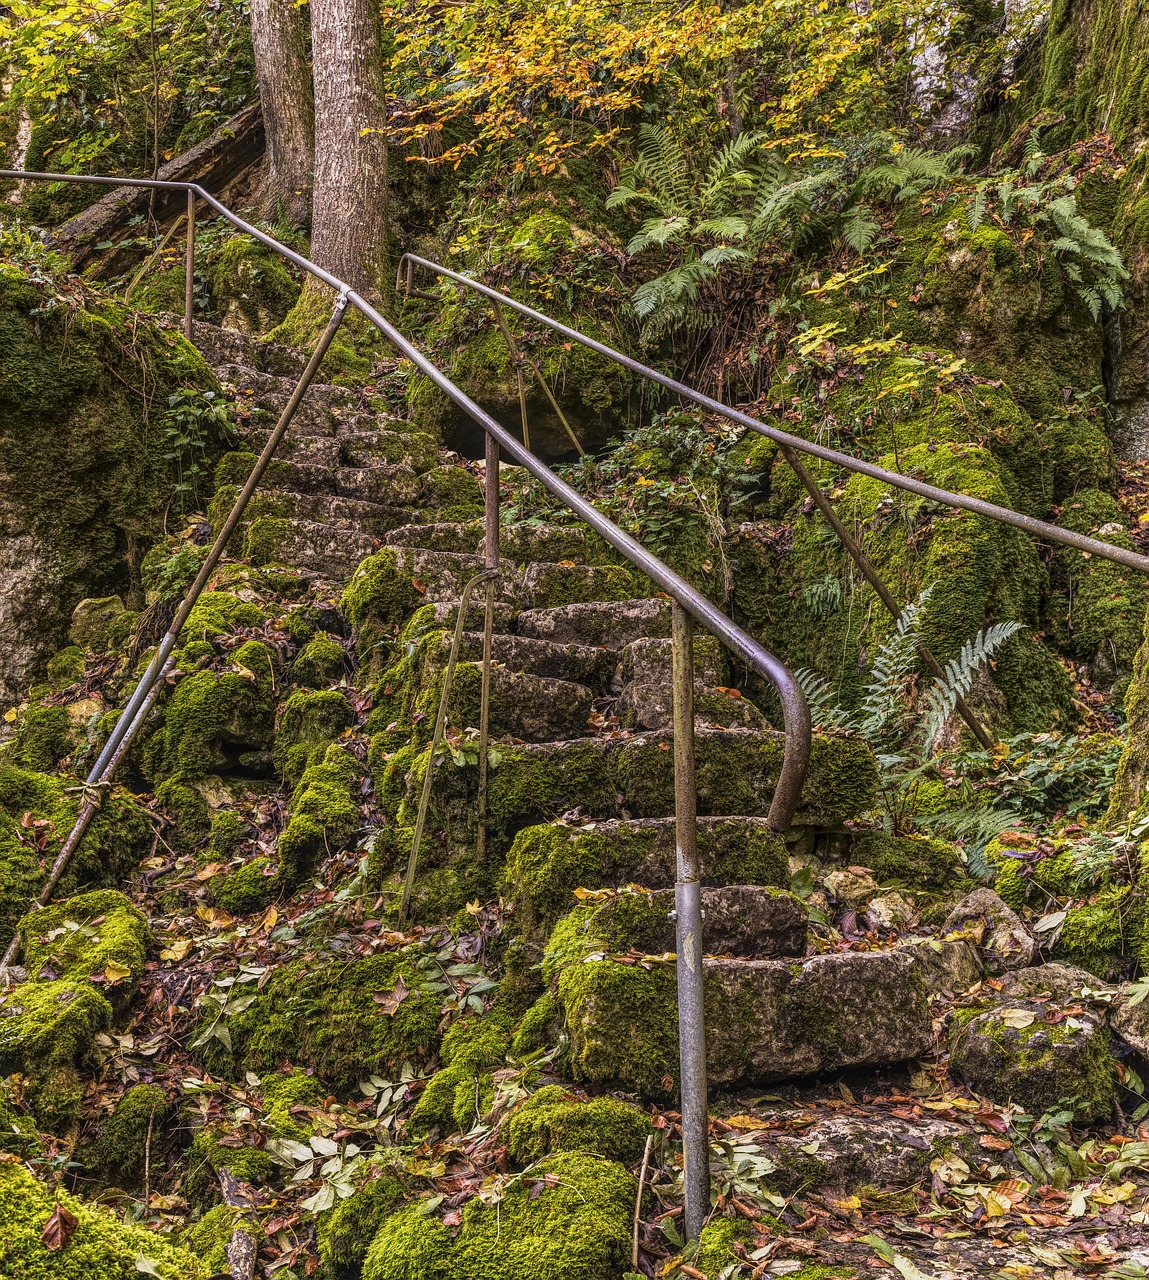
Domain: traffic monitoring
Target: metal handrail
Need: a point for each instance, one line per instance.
(1004, 515)
(688, 606)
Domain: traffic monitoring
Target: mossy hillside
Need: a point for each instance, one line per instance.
(323, 1016)
(554, 1119)
(81, 443)
(978, 572)
(577, 1226)
(102, 1247)
(459, 1095)
(548, 862)
(117, 838)
(86, 935)
(324, 813)
(1100, 607)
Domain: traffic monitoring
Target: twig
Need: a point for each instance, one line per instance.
(148, 1156)
(638, 1200)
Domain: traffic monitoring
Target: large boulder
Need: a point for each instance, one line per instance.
(1005, 941)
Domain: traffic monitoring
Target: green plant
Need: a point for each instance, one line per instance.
(196, 421)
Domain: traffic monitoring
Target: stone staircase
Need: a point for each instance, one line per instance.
(581, 788)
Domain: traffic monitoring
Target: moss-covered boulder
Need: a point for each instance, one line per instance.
(324, 812)
(1015, 1053)
(345, 1232)
(252, 289)
(101, 1246)
(98, 934)
(569, 1215)
(84, 457)
(458, 1096)
(133, 1138)
(554, 1119)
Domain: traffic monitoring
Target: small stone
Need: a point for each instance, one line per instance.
(1131, 1021)
(951, 964)
(91, 620)
(1005, 941)
(83, 709)
(889, 912)
(853, 887)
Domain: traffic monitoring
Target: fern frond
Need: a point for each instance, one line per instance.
(883, 698)
(859, 229)
(958, 676)
(726, 228)
(824, 708)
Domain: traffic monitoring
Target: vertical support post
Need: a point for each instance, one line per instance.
(189, 267)
(491, 561)
(688, 933)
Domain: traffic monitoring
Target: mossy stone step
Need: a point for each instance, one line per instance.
(415, 449)
(548, 862)
(455, 536)
(614, 625)
(584, 664)
(342, 512)
(518, 543)
(324, 549)
(634, 777)
(324, 410)
(766, 1020)
(547, 585)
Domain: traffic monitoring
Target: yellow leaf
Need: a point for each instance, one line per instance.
(744, 1124)
(10, 715)
(116, 972)
(178, 949)
(270, 916)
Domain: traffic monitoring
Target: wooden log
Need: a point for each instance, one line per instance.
(216, 163)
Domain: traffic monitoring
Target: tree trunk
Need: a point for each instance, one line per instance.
(349, 211)
(277, 37)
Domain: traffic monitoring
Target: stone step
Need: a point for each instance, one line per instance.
(547, 585)
(587, 665)
(414, 449)
(523, 706)
(389, 485)
(547, 863)
(633, 777)
(356, 514)
(328, 550)
(221, 347)
(647, 697)
(324, 410)
(455, 536)
(613, 625)
(766, 1020)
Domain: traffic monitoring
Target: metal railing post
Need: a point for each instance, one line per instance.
(491, 557)
(189, 266)
(688, 933)
(436, 739)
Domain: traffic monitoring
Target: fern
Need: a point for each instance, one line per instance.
(884, 698)
(958, 676)
(859, 229)
(824, 709)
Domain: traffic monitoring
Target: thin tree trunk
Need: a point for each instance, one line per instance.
(285, 93)
(349, 217)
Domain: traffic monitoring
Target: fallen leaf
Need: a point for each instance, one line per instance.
(1019, 1019)
(59, 1228)
(178, 949)
(389, 1001)
(116, 972)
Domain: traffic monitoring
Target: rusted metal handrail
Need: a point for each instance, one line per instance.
(1040, 529)
(689, 606)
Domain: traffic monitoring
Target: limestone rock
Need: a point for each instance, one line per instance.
(950, 964)
(854, 887)
(746, 920)
(889, 912)
(1131, 1022)
(91, 619)
(1012, 1054)
(1063, 982)
(1005, 941)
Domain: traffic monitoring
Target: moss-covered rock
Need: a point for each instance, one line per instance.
(251, 288)
(458, 1096)
(324, 812)
(121, 1153)
(554, 1119)
(96, 933)
(247, 889)
(320, 662)
(325, 1017)
(345, 1232)
(576, 1226)
(310, 719)
(101, 1248)
(914, 860)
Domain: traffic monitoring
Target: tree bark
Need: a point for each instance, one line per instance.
(349, 209)
(285, 92)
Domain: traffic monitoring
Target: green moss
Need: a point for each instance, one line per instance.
(324, 1017)
(324, 812)
(458, 1096)
(83, 935)
(378, 599)
(351, 354)
(919, 862)
(102, 1247)
(228, 832)
(251, 287)
(66, 667)
(553, 585)
(345, 1233)
(219, 613)
(284, 1091)
(44, 737)
(555, 1120)
(209, 1154)
(120, 1154)
(577, 1226)
(310, 719)
(209, 1237)
(247, 889)
(320, 663)
(540, 1026)
(189, 811)
(453, 492)
(716, 1245)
